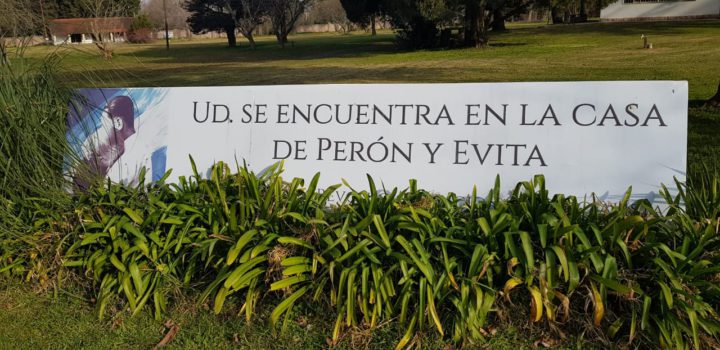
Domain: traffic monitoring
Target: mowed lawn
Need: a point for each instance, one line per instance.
(30, 320)
(530, 52)
(527, 52)
(682, 51)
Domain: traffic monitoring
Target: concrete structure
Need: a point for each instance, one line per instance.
(651, 10)
(82, 30)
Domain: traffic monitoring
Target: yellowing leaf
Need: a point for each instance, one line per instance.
(536, 306)
(511, 264)
(408, 335)
(599, 311)
(509, 285)
(134, 215)
(433, 312)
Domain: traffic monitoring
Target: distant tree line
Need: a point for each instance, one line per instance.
(51, 9)
(245, 16)
(418, 23)
(446, 23)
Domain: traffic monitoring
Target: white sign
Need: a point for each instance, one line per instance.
(585, 137)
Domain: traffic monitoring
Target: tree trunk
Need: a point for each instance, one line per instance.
(282, 37)
(251, 39)
(476, 25)
(372, 26)
(470, 29)
(281, 34)
(232, 40)
(483, 26)
(715, 100)
(554, 16)
(4, 60)
(498, 23)
(248, 34)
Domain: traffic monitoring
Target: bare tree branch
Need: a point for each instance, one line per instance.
(104, 13)
(284, 14)
(18, 24)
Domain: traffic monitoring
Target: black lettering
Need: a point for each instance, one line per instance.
(489, 110)
(524, 110)
(629, 110)
(458, 152)
(470, 114)
(610, 111)
(288, 148)
(322, 148)
(535, 154)
(215, 114)
(207, 112)
(551, 115)
(575, 114)
(432, 151)
(657, 116)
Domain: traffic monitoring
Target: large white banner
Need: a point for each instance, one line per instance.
(585, 137)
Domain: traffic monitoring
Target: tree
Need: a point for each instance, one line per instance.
(127, 8)
(327, 12)
(363, 12)
(568, 11)
(431, 23)
(103, 15)
(715, 100)
(227, 15)
(18, 24)
(420, 23)
(477, 23)
(503, 9)
(69, 9)
(156, 10)
(80, 9)
(249, 14)
(284, 14)
(211, 15)
(141, 30)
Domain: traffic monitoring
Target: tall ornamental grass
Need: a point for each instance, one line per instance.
(33, 107)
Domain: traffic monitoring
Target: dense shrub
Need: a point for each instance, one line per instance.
(141, 36)
(141, 30)
(456, 266)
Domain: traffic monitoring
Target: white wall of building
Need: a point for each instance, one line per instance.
(660, 10)
(84, 39)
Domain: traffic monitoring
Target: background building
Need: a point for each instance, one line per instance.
(86, 30)
(648, 10)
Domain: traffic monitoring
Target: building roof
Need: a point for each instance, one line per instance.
(65, 26)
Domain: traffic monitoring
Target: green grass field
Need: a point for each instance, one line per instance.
(528, 52)
(682, 51)
(41, 321)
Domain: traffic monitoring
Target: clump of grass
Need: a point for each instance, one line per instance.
(33, 150)
(34, 106)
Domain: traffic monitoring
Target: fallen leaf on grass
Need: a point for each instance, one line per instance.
(172, 332)
(546, 343)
